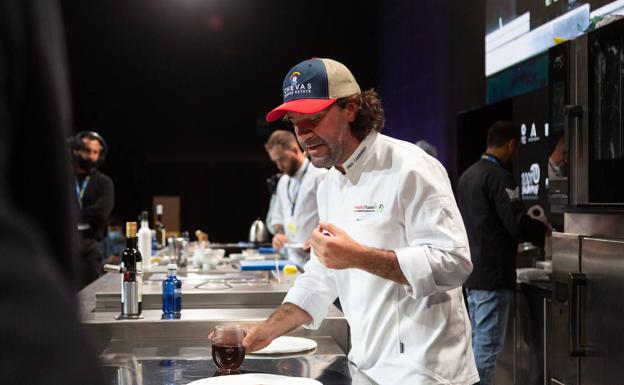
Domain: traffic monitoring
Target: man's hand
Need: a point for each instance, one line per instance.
(337, 250)
(279, 240)
(284, 319)
(334, 248)
(257, 336)
(549, 229)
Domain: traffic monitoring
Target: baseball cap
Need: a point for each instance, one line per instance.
(314, 85)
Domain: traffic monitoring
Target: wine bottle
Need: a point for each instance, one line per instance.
(132, 278)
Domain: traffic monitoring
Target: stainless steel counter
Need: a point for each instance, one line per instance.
(197, 323)
(329, 370)
(182, 361)
(211, 289)
(178, 352)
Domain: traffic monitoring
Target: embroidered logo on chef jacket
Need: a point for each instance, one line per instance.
(514, 195)
(357, 157)
(367, 211)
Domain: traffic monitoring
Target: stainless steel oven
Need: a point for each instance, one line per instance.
(586, 84)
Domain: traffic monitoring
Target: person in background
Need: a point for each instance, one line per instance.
(43, 340)
(271, 183)
(114, 243)
(95, 198)
(558, 159)
(495, 219)
(428, 148)
(295, 212)
(390, 243)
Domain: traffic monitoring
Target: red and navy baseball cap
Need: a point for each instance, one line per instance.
(314, 85)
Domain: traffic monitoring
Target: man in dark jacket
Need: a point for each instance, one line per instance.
(95, 195)
(495, 220)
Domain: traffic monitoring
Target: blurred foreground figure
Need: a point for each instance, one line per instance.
(42, 339)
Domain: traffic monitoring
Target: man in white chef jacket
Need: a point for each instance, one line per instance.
(390, 243)
(295, 214)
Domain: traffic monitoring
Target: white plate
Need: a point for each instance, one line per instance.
(255, 379)
(287, 344)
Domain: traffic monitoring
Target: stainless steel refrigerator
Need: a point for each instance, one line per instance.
(586, 339)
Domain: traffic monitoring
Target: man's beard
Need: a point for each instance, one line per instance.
(86, 164)
(292, 168)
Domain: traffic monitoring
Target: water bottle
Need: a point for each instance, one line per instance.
(172, 294)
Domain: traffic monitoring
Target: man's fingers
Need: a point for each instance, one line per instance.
(327, 227)
(249, 341)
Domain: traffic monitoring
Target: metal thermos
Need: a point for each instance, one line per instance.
(258, 232)
(130, 299)
(129, 295)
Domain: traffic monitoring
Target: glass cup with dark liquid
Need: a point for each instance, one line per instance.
(227, 348)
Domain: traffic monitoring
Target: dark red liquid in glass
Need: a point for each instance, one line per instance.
(228, 357)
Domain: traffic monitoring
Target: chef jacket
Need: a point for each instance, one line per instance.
(295, 207)
(394, 196)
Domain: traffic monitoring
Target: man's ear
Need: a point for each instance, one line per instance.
(351, 110)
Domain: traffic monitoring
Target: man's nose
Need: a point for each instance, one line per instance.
(302, 133)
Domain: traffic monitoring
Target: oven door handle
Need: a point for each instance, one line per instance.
(571, 112)
(575, 280)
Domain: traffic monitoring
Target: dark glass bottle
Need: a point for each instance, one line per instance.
(132, 264)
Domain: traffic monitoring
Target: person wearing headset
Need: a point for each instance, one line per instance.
(95, 197)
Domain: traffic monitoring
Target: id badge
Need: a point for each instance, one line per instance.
(291, 229)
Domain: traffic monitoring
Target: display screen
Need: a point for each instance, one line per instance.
(517, 30)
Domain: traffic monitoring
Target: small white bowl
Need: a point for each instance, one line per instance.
(208, 258)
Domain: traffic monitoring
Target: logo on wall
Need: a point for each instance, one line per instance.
(533, 137)
(530, 182)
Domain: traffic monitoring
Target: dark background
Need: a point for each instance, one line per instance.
(180, 88)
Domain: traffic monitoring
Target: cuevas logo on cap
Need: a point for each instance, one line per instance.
(296, 89)
(294, 76)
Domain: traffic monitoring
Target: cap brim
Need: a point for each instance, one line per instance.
(302, 106)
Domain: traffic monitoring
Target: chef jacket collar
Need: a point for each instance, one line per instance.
(301, 169)
(353, 165)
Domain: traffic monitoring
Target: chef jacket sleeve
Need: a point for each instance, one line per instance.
(437, 257)
(314, 291)
(512, 212)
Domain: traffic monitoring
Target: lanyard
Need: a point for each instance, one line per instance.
(80, 190)
(293, 200)
(490, 158)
